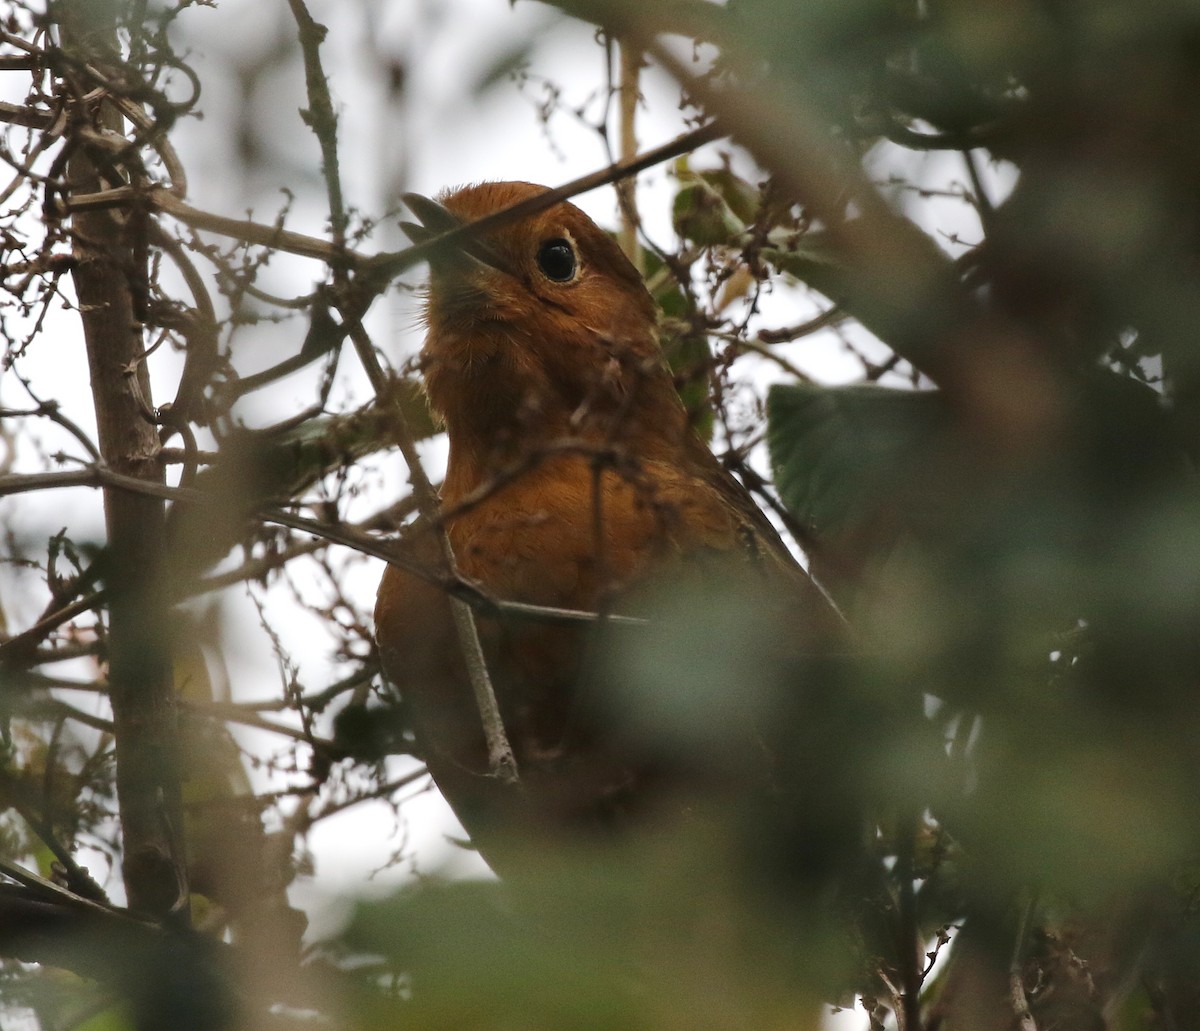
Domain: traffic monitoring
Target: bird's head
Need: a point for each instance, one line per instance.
(539, 328)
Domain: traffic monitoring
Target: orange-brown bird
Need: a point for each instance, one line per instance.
(575, 480)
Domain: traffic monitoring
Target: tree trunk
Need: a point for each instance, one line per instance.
(140, 672)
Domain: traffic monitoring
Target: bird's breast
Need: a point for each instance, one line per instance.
(560, 534)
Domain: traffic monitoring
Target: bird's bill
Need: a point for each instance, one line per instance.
(437, 220)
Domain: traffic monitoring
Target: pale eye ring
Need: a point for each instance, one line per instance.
(556, 259)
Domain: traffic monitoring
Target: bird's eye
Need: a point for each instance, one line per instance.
(556, 259)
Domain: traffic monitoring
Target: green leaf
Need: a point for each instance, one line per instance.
(713, 208)
(469, 948)
(670, 297)
(684, 345)
(307, 452)
(840, 454)
(912, 299)
(595, 934)
(688, 354)
(810, 257)
(741, 197)
(113, 1018)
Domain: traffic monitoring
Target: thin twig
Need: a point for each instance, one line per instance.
(22, 643)
(50, 708)
(256, 568)
(57, 893)
(321, 118)
(52, 411)
(1016, 978)
(390, 264)
(400, 260)
(738, 343)
(502, 761)
(347, 536)
(390, 788)
(95, 476)
(908, 931)
(627, 102)
(789, 333)
(983, 203)
(458, 586)
(232, 713)
(318, 701)
(79, 880)
(243, 229)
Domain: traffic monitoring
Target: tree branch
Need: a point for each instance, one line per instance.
(456, 586)
(1016, 975)
(97, 476)
(908, 931)
(386, 266)
(140, 673)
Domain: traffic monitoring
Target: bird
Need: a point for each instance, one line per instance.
(575, 480)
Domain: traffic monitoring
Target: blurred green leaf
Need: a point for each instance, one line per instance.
(645, 936)
(111, 1019)
(901, 309)
(503, 66)
(811, 257)
(840, 454)
(473, 958)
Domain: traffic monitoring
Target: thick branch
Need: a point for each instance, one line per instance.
(140, 672)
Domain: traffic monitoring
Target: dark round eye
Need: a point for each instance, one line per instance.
(556, 259)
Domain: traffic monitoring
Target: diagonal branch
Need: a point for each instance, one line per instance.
(321, 118)
(386, 266)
